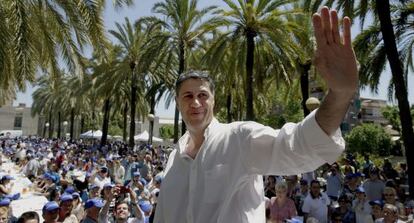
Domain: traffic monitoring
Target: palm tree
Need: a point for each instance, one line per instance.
(36, 34)
(136, 62)
(263, 34)
(49, 99)
(184, 26)
(382, 12)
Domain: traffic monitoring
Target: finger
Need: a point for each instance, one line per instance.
(318, 29)
(326, 22)
(335, 27)
(347, 31)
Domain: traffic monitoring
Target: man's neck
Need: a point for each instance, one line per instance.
(195, 141)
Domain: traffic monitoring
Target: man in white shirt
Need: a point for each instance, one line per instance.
(316, 204)
(214, 174)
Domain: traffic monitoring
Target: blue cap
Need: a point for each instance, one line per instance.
(377, 202)
(136, 174)
(145, 205)
(88, 174)
(49, 177)
(70, 190)
(360, 189)
(50, 206)
(7, 177)
(108, 185)
(75, 195)
(93, 186)
(66, 197)
(94, 202)
(4, 202)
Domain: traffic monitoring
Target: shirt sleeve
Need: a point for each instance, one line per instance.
(294, 149)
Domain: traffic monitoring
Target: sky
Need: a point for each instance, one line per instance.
(143, 8)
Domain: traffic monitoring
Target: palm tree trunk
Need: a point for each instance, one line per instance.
(384, 15)
(228, 106)
(133, 106)
(72, 123)
(304, 85)
(151, 121)
(124, 130)
(50, 124)
(59, 125)
(181, 70)
(82, 124)
(249, 74)
(176, 119)
(105, 125)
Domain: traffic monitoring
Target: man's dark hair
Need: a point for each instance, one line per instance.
(194, 74)
(315, 182)
(30, 215)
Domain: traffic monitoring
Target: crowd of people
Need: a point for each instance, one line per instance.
(84, 182)
(345, 191)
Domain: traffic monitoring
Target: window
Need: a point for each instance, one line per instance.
(18, 122)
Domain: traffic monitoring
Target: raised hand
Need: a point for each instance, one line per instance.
(334, 58)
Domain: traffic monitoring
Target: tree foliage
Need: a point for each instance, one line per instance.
(369, 139)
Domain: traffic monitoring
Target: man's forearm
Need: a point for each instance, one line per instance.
(332, 111)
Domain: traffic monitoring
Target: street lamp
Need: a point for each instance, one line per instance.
(312, 103)
(44, 129)
(65, 123)
(151, 118)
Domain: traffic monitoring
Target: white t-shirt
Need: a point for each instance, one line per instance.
(317, 207)
(224, 182)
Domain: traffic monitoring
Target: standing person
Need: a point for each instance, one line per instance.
(374, 186)
(361, 207)
(334, 182)
(215, 174)
(316, 204)
(282, 208)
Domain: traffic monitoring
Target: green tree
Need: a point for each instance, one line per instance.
(369, 139)
(135, 64)
(35, 34)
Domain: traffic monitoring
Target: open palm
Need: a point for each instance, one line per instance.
(334, 58)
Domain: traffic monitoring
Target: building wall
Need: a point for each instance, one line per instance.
(371, 111)
(18, 118)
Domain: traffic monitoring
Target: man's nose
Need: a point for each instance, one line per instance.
(195, 103)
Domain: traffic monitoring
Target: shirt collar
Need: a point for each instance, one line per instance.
(184, 139)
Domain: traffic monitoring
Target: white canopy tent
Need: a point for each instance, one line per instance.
(144, 136)
(92, 135)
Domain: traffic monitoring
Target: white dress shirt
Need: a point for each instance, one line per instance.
(224, 182)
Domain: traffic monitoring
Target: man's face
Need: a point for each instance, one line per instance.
(66, 206)
(315, 189)
(94, 211)
(195, 102)
(122, 211)
(51, 216)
